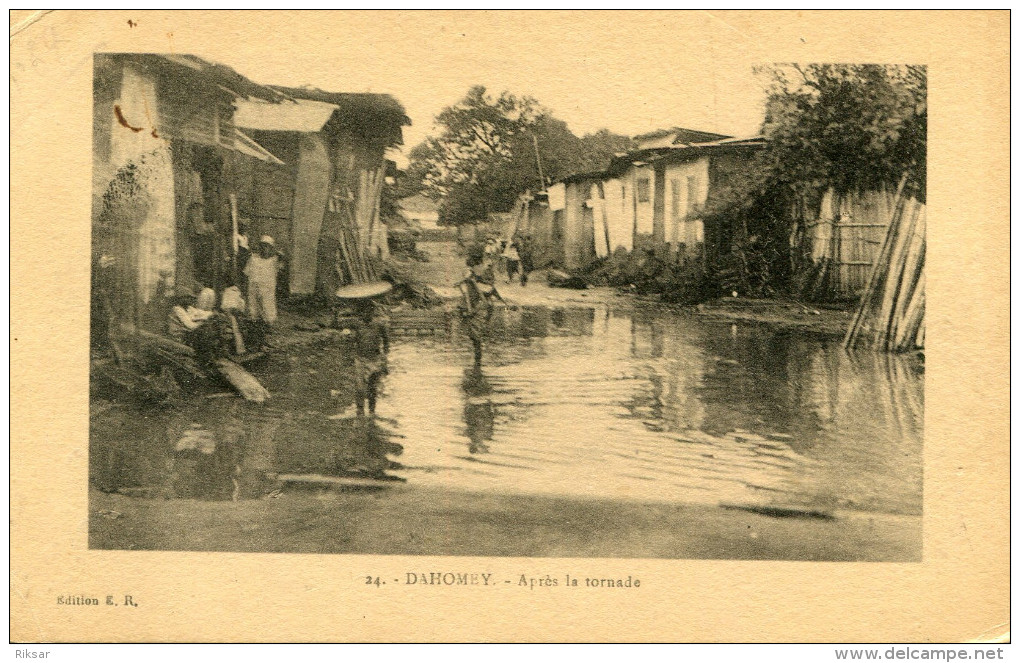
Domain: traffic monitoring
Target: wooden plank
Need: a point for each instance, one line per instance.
(161, 341)
(238, 339)
(245, 383)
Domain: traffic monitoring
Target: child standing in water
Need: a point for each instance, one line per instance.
(371, 345)
(477, 292)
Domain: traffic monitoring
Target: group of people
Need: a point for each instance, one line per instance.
(213, 324)
(511, 257)
(235, 308)
(255, 265)
(254, 292)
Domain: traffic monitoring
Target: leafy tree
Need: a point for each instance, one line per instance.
(851, 127)
(848, 127)
(597, 149)
(490, 149)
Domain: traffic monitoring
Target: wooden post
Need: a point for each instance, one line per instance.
(233, 237)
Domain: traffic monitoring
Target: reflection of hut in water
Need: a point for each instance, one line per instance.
(646, 335)
(542, 321)
(574, 321)
(342, 446)
(533, 322)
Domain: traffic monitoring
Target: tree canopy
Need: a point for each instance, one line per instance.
(851, 127)
(491, 148)
(848, 127)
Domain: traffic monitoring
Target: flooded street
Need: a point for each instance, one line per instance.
(592, 403)
(585, 403)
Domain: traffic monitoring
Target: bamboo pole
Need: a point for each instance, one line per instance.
(886, 320)
(913, 268)
(233, 237)
(887, 287)
(906, 338)
(877, 271)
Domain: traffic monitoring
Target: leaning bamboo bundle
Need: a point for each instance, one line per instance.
(890, 316)
(376, 239)
(878, 273)
(910, 275)
(355, 262)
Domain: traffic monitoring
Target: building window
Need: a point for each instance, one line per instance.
(644, 190)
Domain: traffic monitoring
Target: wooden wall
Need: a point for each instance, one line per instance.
(849, 231)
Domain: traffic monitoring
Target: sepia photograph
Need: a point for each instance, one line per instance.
(508, 338)
(387, 309)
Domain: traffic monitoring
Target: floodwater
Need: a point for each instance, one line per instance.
(578, 402)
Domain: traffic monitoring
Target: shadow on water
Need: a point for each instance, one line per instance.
(584, 402)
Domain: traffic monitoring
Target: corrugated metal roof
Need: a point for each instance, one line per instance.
(675, 136)
(369, 104)
(191, 65)
(298, 115)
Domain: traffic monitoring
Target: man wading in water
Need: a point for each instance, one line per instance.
(477, 292)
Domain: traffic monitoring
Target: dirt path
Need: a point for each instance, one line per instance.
(414, 521)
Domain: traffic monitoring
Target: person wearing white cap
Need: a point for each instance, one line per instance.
(261, 271)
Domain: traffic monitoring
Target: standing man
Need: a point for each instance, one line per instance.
(513, 259)
(261, 270)
(492, 251)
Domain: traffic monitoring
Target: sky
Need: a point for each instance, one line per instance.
(630, 72)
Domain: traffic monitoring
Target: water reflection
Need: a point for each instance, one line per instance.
(658, 406)
(217, 447)
(479, 412)
(587, 402)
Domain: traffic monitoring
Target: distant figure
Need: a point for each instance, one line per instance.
(513, 260)
(372, 344)
(527, 260)
(492, 251)
(477, 292)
